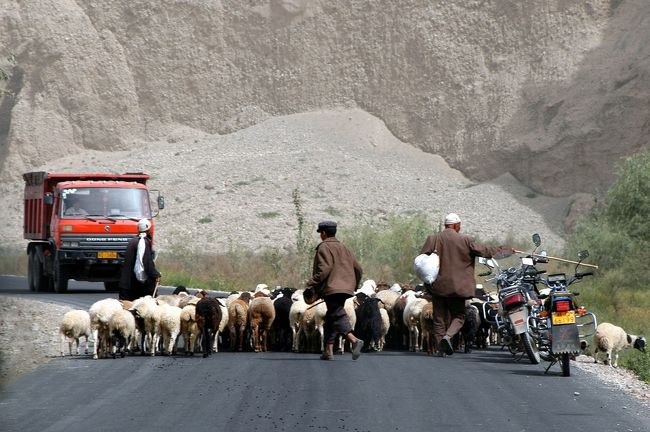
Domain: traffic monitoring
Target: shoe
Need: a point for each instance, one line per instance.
(325, 356)
(441, 354)
(445, 345)
(356, 349)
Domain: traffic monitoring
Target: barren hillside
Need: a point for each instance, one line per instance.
(550, 92)
(236, 189)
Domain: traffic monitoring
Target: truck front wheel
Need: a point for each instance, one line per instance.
(60, 279)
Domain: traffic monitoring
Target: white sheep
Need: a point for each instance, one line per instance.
(368, 287)
(312, 326)
(169, 327)
(388, 299)
(298, 308)
(612, 339)
(147, 309)
(74, 325)
(100, 313)
(121, 328)
(189, 329)
(385, 326)
(222, 326)
(411, 317)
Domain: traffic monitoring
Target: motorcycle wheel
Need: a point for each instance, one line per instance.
(566, 366)
(531, 348)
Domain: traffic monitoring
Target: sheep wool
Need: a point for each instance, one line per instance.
(612, 339)
(74, 325)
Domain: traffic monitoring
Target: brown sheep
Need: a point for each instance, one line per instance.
(238, 320)
(261, 315)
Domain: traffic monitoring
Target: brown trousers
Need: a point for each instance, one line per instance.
(448, 316)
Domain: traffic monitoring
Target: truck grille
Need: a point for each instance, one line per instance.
(115, 242)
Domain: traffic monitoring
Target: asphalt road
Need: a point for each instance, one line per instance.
(388, 391)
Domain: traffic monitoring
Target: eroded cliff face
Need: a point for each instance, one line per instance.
(553, 92)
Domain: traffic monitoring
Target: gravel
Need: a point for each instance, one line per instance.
(236, 190)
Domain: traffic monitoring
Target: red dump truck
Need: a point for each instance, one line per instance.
(78, 225)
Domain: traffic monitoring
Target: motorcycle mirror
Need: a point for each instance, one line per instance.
(583, 254)
(537, 240)
(543, 253)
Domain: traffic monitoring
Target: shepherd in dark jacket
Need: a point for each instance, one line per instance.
(336, 275)
(455, 282)
(139, 274)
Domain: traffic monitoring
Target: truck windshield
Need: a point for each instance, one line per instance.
(105, 202)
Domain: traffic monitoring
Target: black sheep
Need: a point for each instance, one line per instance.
(368, 326)
(208, 318)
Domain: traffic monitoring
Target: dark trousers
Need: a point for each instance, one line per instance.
(448, 316)
(137, 289)
(336, 320)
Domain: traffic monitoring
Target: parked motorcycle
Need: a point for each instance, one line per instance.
(562, 323)
(516, 320)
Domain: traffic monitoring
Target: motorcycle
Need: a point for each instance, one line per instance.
(516, 318)
(563, 324)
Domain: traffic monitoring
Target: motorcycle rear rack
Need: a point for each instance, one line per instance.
(587, 324)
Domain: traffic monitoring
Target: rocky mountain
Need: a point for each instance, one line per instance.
(550, 92)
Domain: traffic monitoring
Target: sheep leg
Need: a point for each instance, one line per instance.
(241, 338)
(86, 345)
(215, 343)
(63, 338)
(207, 343)
(294, 339)
(95, 342)
(615, 364)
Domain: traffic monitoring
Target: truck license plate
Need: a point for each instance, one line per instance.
(107, 255)
(568, 317)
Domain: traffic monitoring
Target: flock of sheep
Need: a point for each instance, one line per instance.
(260, 320)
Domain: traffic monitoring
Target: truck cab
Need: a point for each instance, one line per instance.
(79, 226)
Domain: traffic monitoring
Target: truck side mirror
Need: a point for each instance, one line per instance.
(161, 202)
(48, 198)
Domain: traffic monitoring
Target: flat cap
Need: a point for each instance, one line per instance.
(325, 224)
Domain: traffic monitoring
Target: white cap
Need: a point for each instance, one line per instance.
(144, 225)
(452, 218)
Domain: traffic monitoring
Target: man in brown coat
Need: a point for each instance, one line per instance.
(335, 275)
(455, 282)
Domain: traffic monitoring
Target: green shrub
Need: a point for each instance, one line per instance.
(617, 235)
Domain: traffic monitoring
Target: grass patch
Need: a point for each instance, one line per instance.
(206, 219)
(269, 215)
(13, 261)
(332, 211)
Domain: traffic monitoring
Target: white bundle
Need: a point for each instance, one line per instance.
(138, 269)
(426, 267)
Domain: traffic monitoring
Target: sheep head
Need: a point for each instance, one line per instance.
(640, 343)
